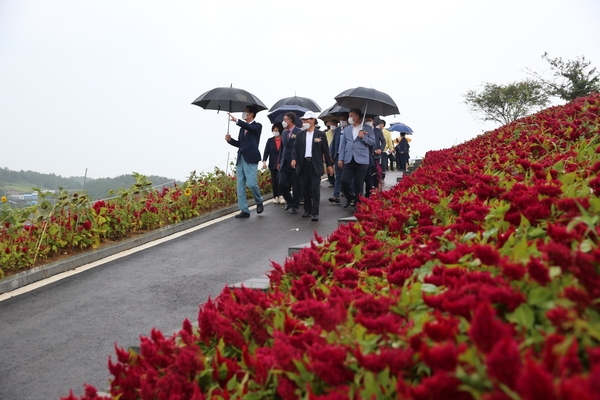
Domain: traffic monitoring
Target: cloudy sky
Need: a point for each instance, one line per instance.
(107, 85)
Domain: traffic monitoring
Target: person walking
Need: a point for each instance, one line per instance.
(403, 149)
(248, 157)
(334, 150)
(272, 154)
(354, 152)
(388, 149)
(309, 153)
(288, 179)
(331, 127)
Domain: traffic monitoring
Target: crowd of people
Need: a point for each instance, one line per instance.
(354, 151)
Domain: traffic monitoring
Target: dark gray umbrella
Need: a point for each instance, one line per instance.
(228, 99)
(297, 101)
(278, 114)
(332, 112)
(368, 100)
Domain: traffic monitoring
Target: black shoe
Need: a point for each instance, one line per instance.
(306, 214)
(347, 203)
(287, 206)
(243, 214)
(334, 199)
(294, 210)
(259, 208)
(314, 218)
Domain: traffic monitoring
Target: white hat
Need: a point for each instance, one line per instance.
(309, 114)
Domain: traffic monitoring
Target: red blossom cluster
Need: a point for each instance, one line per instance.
(476, 277)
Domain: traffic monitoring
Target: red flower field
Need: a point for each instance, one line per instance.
(476, 277)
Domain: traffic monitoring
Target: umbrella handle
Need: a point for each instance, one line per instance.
(228, 122)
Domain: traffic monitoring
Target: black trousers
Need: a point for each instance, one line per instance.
(289, 179)
(353, 172)
(311, 188)
(275, 182)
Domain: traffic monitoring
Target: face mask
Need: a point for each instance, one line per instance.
(244, 115)
(370, 123)
(284, 124)
(351, 121)
(275, 133)
(305, 125)
(332, 127)
(344, 124)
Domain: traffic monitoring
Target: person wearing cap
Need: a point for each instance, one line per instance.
(308, 155)
(288, 179)
(354, 155)
(248, 157)
(334, 149)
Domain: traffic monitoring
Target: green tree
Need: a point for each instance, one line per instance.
(506, 103)
(571, 78)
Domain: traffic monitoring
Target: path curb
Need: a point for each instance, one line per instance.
(45, 271)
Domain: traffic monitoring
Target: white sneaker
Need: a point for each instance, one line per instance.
(281, 200)
(276, 200)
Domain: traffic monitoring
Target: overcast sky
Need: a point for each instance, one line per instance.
(108, 85)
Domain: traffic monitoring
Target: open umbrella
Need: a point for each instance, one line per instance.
(228, 99)
(297, 101)
(278, 114)
(368, 100)
(332, 112)
(400, 127)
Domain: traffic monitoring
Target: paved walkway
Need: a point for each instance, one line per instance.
(60, 336)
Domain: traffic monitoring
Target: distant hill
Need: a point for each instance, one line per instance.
(21, 182)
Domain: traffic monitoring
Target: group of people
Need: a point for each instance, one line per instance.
(354, 150)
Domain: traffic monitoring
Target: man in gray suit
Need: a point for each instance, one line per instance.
(354, 152)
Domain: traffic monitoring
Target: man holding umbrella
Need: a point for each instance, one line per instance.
(248, 157)
(355, 144)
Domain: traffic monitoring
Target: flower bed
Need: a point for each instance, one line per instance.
(66, 223)
(477, 277)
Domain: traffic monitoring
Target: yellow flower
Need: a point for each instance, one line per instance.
(4, 199)
(188, 192)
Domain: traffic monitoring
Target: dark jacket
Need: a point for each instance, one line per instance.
(271, 152)
(285, 153)
(403, 146)
(247, 143)
(379, 143)
(320, 152)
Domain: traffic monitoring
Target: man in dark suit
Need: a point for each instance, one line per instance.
(334, 150)
(288, 179)
(308, 155)
(248, 157)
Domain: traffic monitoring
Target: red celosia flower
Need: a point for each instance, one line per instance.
(504, 362)
(485, 329)
(534, 383)
(442, 356)
(538, 271)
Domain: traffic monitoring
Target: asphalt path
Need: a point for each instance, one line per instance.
(60, 336)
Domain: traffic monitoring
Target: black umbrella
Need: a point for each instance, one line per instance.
(297, 101)
(332, 112)
(278, 114)
(228, 99)
(367, 99)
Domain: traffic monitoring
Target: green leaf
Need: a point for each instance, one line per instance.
(522, 316)
(538, 296)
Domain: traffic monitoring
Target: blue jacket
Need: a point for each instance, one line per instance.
(357, 149)
(247, 143)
